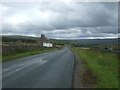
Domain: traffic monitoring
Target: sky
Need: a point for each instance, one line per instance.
(60, 20)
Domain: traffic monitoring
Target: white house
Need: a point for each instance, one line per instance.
(44, 42)
(47, 45)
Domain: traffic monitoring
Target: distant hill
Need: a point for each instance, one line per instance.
(80, 42)
(15, 38)
(92, 43)
(98, 41)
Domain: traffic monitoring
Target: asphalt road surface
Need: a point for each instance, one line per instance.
(47, 70)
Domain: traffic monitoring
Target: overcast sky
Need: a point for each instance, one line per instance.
(63, 20)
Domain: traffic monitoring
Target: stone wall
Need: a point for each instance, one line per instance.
(12, 49)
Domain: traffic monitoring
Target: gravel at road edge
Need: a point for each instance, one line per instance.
(83, 78)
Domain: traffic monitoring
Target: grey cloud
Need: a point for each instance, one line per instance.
(60, 20)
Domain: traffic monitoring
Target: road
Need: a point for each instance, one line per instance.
(47, 70)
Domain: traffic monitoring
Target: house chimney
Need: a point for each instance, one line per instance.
(42, 36)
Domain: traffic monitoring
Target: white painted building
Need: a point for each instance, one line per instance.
(47, 45)
(44, 42)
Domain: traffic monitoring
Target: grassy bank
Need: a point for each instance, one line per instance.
(103, 64)
(24, 54)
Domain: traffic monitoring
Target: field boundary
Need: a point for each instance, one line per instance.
(83, 77)
(24, 54)
(102, 66)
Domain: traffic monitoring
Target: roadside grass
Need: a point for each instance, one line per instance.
(103, 64)
(24, 54)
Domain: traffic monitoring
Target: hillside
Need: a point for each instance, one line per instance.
(98, 41)
(16, 38)
(78, 42)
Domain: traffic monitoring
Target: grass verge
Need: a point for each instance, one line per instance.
(24, 54)
(103, 64)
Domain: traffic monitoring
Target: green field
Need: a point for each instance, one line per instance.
(23, 54)
(103, 64)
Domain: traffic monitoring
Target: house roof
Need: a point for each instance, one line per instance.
(43, 38)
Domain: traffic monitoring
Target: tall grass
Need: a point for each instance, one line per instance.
(103, 64)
